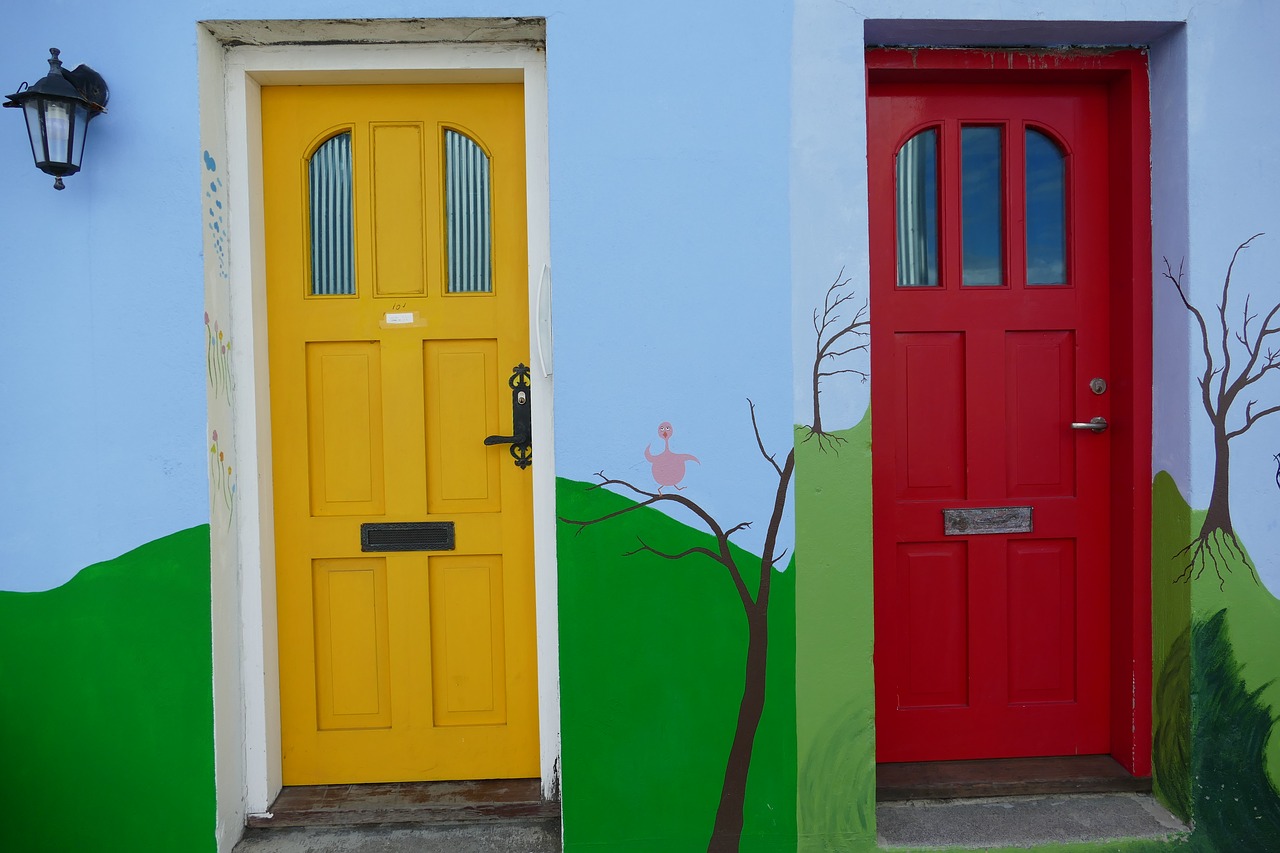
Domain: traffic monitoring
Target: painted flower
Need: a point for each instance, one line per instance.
(221, 458)
(215, 435)
(206, 318)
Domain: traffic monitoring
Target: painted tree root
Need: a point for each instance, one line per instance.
(1217, 544)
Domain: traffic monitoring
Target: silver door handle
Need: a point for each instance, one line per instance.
(1094, 424)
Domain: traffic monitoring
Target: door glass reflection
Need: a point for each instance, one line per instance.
(980, 200)
(1046, 211)
(917, 210)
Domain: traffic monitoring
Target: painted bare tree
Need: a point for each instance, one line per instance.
(1223, 384)
(837, 333)
(726, 832)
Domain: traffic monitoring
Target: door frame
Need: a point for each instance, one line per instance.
(1124, 74)
(236, 58)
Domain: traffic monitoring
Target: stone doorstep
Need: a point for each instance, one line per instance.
(939, 780)
(406, 803)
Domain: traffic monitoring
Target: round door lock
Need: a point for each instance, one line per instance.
(1098, 386)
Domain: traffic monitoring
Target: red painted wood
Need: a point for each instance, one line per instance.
(985, 384)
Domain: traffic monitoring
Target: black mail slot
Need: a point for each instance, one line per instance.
(407, 536)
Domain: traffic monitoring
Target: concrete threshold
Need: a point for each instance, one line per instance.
(1023, 821)
(494, 816)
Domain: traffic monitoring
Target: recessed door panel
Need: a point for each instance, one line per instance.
(353, 672)
(344, 427)
(467, 644)
(935, 593)
(930, 414)
(1039, 378)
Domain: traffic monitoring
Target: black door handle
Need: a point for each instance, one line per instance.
(521, 438)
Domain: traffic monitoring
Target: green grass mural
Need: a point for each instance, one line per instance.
(651, 675)
(1217, 691)
(106, 708)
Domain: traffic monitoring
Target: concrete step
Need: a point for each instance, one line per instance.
(407, 804)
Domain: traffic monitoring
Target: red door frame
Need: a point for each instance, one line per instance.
(1124, 73)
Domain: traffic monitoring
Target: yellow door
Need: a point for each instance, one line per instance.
(397, 308)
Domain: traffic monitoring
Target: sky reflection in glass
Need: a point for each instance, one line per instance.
(1046, 211)
(981, 208)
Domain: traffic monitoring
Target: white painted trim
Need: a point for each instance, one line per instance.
(389, 52)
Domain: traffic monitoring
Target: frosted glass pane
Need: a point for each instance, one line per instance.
(916, 200)
(332, 235)
(469, 227)
(1046, 211)
(981, 211)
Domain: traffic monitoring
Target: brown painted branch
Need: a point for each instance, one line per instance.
(721, 536)
(1209, 370)
(759, 441)
(645, 546)
(1227, 394)
(1250, 418)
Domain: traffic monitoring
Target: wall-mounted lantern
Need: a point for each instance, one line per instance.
(58, 108)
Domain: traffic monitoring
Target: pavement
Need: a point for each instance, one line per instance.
(1023, 821)
(532, 835)
(958, 823)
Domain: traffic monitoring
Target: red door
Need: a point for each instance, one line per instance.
(989, 265)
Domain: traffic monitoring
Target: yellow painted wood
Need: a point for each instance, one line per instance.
(402, 665)
(463, 476)
(466, 635)
(344, 427)
(353, 677)
(399, 221)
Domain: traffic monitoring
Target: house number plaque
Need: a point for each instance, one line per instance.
(986, 519)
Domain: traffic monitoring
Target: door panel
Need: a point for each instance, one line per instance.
(992, 636)
(398, 664)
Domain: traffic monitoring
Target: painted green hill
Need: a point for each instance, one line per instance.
(1233, 689)
(652, 653)
(106, 691)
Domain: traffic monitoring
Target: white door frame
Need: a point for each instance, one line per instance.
(236, 59)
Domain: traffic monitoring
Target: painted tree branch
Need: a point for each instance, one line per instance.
(837, 335)
(835, 331)
(1221, 386)
(722, 555)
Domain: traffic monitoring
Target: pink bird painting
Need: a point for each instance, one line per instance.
(668, 466)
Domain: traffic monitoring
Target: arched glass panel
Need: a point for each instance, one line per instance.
(1046, 211)
(469, 228)
(916, 201)
(332, 234)
(981, 206)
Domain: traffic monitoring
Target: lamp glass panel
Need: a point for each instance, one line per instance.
(80, 132)
(31, 108)
(57, 128)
